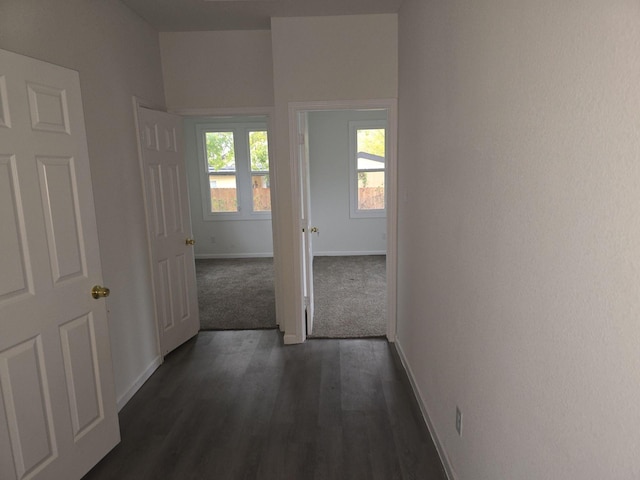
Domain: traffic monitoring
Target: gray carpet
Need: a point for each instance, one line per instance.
(350, 296)
(236, 294)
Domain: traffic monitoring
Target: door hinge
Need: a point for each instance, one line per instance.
(301, 139)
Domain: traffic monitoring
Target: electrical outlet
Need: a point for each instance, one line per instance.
(458, 421)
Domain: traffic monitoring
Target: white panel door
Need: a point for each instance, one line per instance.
(169, 227)
(307, 229)
(58, 413)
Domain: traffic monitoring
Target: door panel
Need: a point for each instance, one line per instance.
(165, 294)
(59, 201)
(169, 224)
(174, 195)
(181, 278)
(81, 373)
(57, 398)
(13, 257)
(27, 405)
(155, 204)
(49, 108)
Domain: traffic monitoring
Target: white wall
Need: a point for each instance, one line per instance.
(233, 238)
(117, 55)
(329, 182)
(320, 58)
(519, 260)
(217, 69)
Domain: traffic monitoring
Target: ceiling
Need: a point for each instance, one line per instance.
(195, 15)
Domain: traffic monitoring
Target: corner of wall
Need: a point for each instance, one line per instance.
(138, 382)
(425, 413)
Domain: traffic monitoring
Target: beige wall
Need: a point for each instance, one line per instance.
(117, 55)
(321, 58)
(217, 69)
(519, 232)
(349, 57)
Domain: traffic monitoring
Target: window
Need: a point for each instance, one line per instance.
(221, 167)
(235, 170)
(367, 168)
(259, 156)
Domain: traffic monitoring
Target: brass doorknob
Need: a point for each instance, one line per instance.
(99, 291)
(314, 230)
(190, 241)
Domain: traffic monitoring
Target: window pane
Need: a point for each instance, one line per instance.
(224, 193)
(220, 151)
(261, 192)
(259, 151)
(221, 158)
(370, 148)
(370, 190)
(259, 156)
(370, 156)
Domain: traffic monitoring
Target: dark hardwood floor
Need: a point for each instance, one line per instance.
(240, 405)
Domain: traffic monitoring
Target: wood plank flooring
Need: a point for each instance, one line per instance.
(231, 405)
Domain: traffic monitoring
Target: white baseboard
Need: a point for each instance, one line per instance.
(203, 256)
(425, 413)
(349, 254)
(290, 339)
(144, 376)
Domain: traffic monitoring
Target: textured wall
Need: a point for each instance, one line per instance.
(217, 69)
(519, 258)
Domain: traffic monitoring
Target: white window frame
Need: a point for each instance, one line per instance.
(354, 126)
(243, 169)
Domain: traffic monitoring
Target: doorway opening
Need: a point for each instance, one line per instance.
(228, 167)
(347, 235)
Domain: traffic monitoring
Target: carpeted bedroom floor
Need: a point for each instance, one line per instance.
(236, 293)
(350, 295)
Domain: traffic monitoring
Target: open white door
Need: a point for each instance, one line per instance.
(307, 229)
(169, 227)
(58, 413)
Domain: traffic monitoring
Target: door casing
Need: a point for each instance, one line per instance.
(268, 113)
(296, 109)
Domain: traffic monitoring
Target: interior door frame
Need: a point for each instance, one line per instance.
(139, 103)
(391, 106)
(269, 114)
(306, 235)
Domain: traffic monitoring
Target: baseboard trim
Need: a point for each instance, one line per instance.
(425, 414)
(204, 256)
(290, 339)
(349, 254)
(143, 377)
